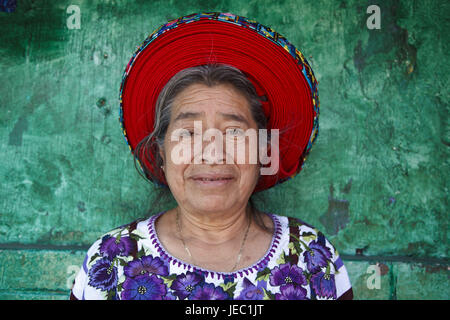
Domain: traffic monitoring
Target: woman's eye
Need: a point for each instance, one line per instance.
(187, 133)
(235, 132)
(183, 133)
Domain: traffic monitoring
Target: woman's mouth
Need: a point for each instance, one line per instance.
(212, 180)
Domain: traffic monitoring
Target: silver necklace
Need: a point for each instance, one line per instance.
(189, 252)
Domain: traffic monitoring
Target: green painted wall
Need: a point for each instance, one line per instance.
(376, 182)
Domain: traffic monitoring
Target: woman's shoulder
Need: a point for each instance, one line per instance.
(304, 235)
(120, 241)
(98, 276)
(308, 248)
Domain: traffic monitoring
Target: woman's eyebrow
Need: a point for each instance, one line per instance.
(226, 116)
(187, 115)
(235, 117)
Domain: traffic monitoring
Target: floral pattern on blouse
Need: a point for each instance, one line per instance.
(129, 263)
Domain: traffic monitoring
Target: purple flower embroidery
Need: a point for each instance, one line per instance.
(112, 247)
(103, 275)
(143, 287)
(291, 292)
(323, 285)
(252, 292)
(208, 292)
(169, 296)
(316, 257)
(287, 274)
(184, 284)
(8, 5)
(146, 264)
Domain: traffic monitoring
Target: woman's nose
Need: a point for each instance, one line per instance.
(212, 148)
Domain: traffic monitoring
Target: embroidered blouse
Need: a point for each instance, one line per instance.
(129, 263)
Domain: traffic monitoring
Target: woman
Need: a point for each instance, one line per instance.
(215, 244)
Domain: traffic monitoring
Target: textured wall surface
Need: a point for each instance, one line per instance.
(376, 182)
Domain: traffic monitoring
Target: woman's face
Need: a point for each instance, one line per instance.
(203, 185)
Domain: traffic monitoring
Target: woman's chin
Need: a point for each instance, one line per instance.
(212, 203)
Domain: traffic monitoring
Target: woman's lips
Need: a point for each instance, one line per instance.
(212, 180)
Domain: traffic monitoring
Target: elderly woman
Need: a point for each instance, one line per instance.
(215, 244)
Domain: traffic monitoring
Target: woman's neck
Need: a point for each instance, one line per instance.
(213, 229)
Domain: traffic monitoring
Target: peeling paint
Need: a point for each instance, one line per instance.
(15, 136)
(337, 215)
(384, 269)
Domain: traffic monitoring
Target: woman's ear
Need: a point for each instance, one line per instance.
(161, 155)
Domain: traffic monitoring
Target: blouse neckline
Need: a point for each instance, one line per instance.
(260, 264)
